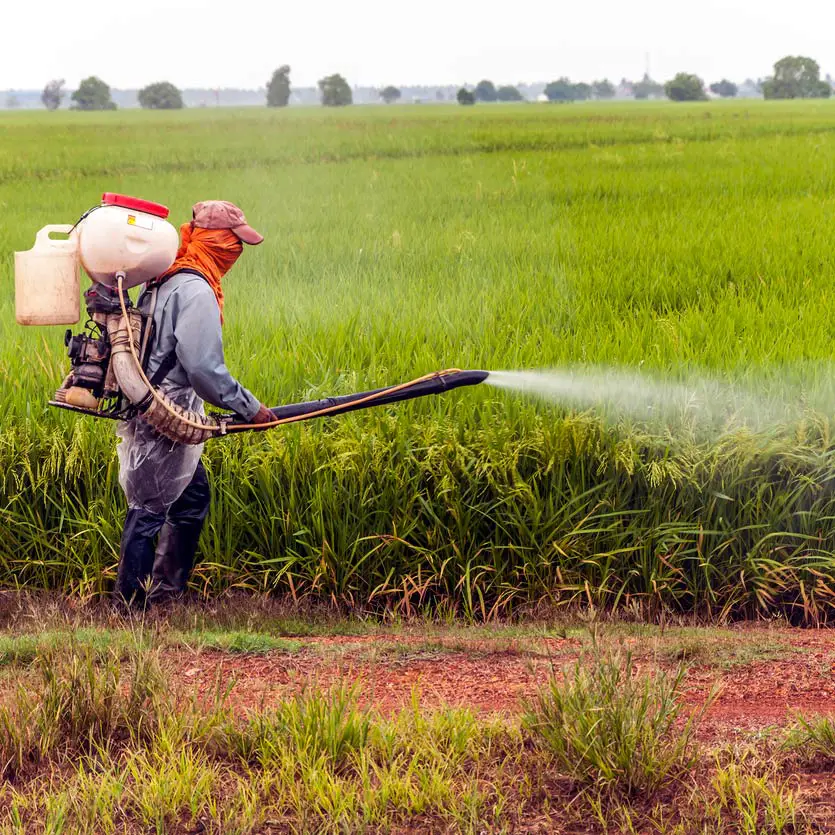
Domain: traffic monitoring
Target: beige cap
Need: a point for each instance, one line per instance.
(221, 214)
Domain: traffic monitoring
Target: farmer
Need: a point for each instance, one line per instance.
(164, 481)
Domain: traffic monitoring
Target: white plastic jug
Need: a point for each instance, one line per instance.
(47, 280)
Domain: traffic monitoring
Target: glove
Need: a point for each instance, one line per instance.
(263, 415)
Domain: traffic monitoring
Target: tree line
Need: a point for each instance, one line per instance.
(94, 94)
(795, 77)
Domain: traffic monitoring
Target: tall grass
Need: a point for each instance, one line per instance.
(398, 241)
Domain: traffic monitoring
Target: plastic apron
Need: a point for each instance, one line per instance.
(154, 470)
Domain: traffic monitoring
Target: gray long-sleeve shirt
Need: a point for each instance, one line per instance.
(187, 321)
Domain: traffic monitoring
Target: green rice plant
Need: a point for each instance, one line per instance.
(612, 730)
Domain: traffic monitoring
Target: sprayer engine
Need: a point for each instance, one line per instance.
(107, 377)
(90, 386)
(89, 357)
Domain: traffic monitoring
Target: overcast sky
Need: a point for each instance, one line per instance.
(206, 43)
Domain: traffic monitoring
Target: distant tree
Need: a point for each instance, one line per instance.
(685, 87)
(485, 91)
(509, 93)
(278, 87)
(12, 101)
(390, 94)
(465, 97)
(582, 91)
(335, 91)
(726, 89)
(646, 88)
(603, 89)
(560, 90)
(160, 96)
(439, 95)
(796, 77)
(92, 94)
(53, 94)
(563, 89)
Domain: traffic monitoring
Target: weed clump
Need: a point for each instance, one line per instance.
(757, 803)
(612, 729)
(813, 736)
(309, 728)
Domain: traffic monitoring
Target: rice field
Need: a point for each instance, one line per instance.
(673, 239)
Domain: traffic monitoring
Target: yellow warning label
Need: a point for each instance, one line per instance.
(140, 221)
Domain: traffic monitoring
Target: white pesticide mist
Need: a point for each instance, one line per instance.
(700, 405)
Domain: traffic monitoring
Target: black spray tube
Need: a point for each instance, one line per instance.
(348, 402)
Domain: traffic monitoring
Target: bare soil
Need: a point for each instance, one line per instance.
(497, 675)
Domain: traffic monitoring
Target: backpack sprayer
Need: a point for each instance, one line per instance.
(121, 243)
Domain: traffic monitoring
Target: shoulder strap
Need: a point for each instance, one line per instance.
(190, 271)
(165, 368)
(148, 327)
(170, 359)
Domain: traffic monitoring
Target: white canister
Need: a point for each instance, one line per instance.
(47, 281)
(114, 239)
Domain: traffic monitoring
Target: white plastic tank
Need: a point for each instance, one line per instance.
(47, 286)
(126, 235)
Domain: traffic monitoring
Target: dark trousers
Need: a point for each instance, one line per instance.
(151, 570)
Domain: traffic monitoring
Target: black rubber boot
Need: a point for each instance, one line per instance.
(136, 555)
(179, 538)
(174, 560)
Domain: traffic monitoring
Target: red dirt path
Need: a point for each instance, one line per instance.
(496, 675)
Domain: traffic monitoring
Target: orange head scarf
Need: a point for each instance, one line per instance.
(210, 252)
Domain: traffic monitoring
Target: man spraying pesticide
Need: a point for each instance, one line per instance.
(152, 365)
(164, 481)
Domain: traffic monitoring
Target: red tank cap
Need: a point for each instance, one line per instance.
(135, 203)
